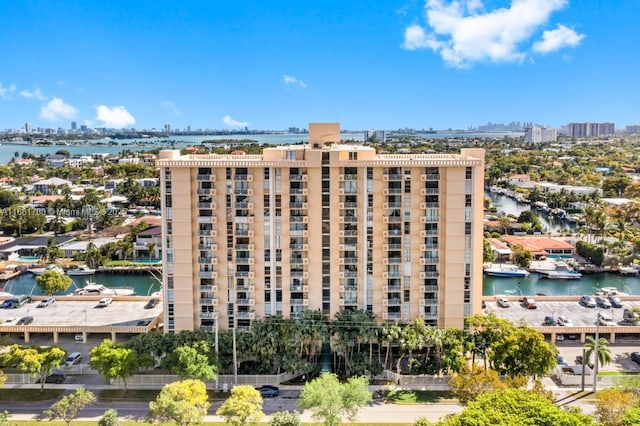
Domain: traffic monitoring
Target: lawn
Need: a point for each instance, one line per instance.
(29, 394)
(418, 397)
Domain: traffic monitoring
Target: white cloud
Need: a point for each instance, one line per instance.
(36, 94)
(553, 40)
(5, 90)
(463, 31)
(171, 107)
(115, 117)
(56, 109)
(229, 121)
(290, 80)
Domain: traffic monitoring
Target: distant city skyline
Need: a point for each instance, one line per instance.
(376, 64)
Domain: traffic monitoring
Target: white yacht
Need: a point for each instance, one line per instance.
(80, 270)
(40, 271)
(94, 289)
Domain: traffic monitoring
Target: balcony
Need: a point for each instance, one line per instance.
(208, 260)
(247, 178)
(391, 247)
(206, 205)
(348, 219)
(348, 261)
(392, 219)
(209, 288)
(207, 219)
(392, 288)
(208, 246)
(247, 247)
(208, 315)
(299, 302)
(392, 302)
(299, 288)
(246, 315)
(300, 191)
(299, 247)
(245, 302)
(301, 206)
(430, 274)
(298, 178)
(207, 233)
(298, 219)
(243, 205)
(207, 274)
(349, 301)
(244, 261)
(208, 301)
(349, 274)
(391, 205)
(206, 191)
(389, 191)
(429, 260)
(298, 261)
(349, 205)
(210, 178)
(391, 316)
(392, 177)
(429, 177)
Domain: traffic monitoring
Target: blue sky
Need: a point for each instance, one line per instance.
(382, 64)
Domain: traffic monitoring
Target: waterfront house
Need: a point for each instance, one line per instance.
(72, 248)
(56, 160)
(51, 185)
(148, 243)
(27, 246)
(541, 246)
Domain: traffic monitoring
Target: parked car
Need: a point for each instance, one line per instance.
(587, 301)
(564, 321)
(73, 359)
(78, 338)
(45, 302)
(601, 302)
(503, 302)
(268, 391)
(606, 320)
(528, 303)
(562, 361)
(635, 357)
(615, 301)
(104, 302)
(57, 377)
(151, 303)
(25, 321)
(549, 320)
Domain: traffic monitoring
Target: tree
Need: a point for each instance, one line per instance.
(329, 400)
(523, 351)
(36, 361)
(115, 361)
(612, 404)
(243, 406)
(68, 407)
(184, 402)
(604, 352)
(285, 418)
(631, 417)
(488, 255)
(473, 381)
(109, 418)
(508, 407)
(521, 256)
(192, 362)
(52, 281)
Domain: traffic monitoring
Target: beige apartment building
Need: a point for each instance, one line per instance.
(321, 226)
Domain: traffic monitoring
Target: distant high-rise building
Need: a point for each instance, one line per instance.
(321, 226)
(375, 136)
(167, 128)
(587, 130)
(74, 126)
(27, 127)
(633, 129)
(540, 134)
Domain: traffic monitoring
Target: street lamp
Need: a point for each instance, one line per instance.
(595, 362)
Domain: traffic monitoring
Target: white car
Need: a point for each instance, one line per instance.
(503, 302)
(105, 301)
(562, 320)
(606, 320)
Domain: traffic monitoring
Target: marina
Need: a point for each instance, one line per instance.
(142, 284)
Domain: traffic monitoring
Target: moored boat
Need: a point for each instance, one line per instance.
(80, 270)
(94, 289)
(40, 271)
(506, 271)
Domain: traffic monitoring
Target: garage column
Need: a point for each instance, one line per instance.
(612, 338)
(55, 337)
(113, 336)
(27, 336)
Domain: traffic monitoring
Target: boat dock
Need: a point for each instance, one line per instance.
(130, 269)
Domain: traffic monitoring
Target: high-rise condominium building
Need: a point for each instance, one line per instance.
(321, 226)
(585, 130)
(540, 134)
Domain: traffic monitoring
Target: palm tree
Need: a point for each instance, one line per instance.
(604, 353)
(390, 334)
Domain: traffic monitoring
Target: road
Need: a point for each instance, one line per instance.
(378, 412)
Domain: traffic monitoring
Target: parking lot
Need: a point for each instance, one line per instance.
(84, 316)
(578, 314)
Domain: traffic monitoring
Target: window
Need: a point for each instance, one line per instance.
(467, 200)
(353, 156)
(291, 155)
(467, 228)
(469, 173)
